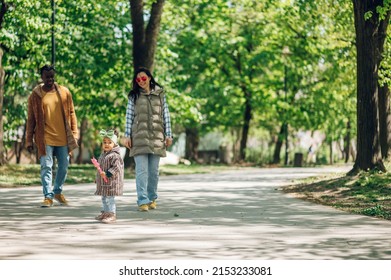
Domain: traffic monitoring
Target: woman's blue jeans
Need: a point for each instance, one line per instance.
(62, 155)
(147, 177)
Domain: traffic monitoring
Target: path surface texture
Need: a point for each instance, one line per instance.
(230, 215)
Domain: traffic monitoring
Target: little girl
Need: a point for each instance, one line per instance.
(109, 182)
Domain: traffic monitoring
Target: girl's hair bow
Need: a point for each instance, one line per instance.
(108, 134)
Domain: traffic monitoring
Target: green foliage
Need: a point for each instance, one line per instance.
(376, 211)
(22, 41)
(383, 10)
(223, 53)
(259, 155)
(92, 51)
(212, 58)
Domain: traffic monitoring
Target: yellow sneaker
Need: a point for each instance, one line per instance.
(60, 198)
(47, 202)
(143, 208)
(152, 205)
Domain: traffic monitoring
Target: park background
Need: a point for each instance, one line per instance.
(261, 83)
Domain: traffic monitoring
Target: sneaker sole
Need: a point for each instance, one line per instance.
(62, 203)
(46, 206)
(108, 222)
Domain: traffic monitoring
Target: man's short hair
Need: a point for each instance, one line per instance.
(47, 67)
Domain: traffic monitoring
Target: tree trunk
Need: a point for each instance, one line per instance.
(384, 121)
(145, 38)
(192, 141)
(83, 128)
(347, 139)
(235, 133)
(17, 153)
(246, 126)
(3, 11)
(277, 149)
(331, 158)
(2, 75)
(370, 36)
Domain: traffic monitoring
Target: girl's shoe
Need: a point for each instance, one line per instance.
(109, 218)
(100, 216)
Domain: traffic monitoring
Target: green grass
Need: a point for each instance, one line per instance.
(24, 175)
(368, 193)
(193, 169)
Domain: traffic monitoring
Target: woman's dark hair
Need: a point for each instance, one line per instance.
(114, 130)
(135, 91)
(47, 67)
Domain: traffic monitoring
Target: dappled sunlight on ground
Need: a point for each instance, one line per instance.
(229, 215)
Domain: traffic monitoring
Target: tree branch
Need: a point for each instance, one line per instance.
(152, 30)
(137, 16)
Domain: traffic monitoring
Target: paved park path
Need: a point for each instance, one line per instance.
(229, 215)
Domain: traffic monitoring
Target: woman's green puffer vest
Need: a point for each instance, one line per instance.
(148, 128)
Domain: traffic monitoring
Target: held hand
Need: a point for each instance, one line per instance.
(168, 142)
(128, 143)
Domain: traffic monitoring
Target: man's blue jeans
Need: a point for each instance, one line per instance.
(147, 177)
(62, 155)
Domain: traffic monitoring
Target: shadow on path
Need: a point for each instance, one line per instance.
(229, 215)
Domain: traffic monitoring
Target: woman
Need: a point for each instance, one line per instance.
(148, 134)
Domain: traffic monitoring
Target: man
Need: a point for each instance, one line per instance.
(52, 123)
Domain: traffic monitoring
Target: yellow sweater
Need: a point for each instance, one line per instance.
(54, 121)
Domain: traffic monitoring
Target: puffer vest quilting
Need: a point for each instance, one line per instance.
(148, 128)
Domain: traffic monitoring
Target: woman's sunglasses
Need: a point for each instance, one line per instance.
(139, 79)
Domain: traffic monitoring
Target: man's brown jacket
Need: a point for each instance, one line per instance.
(36, 119)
